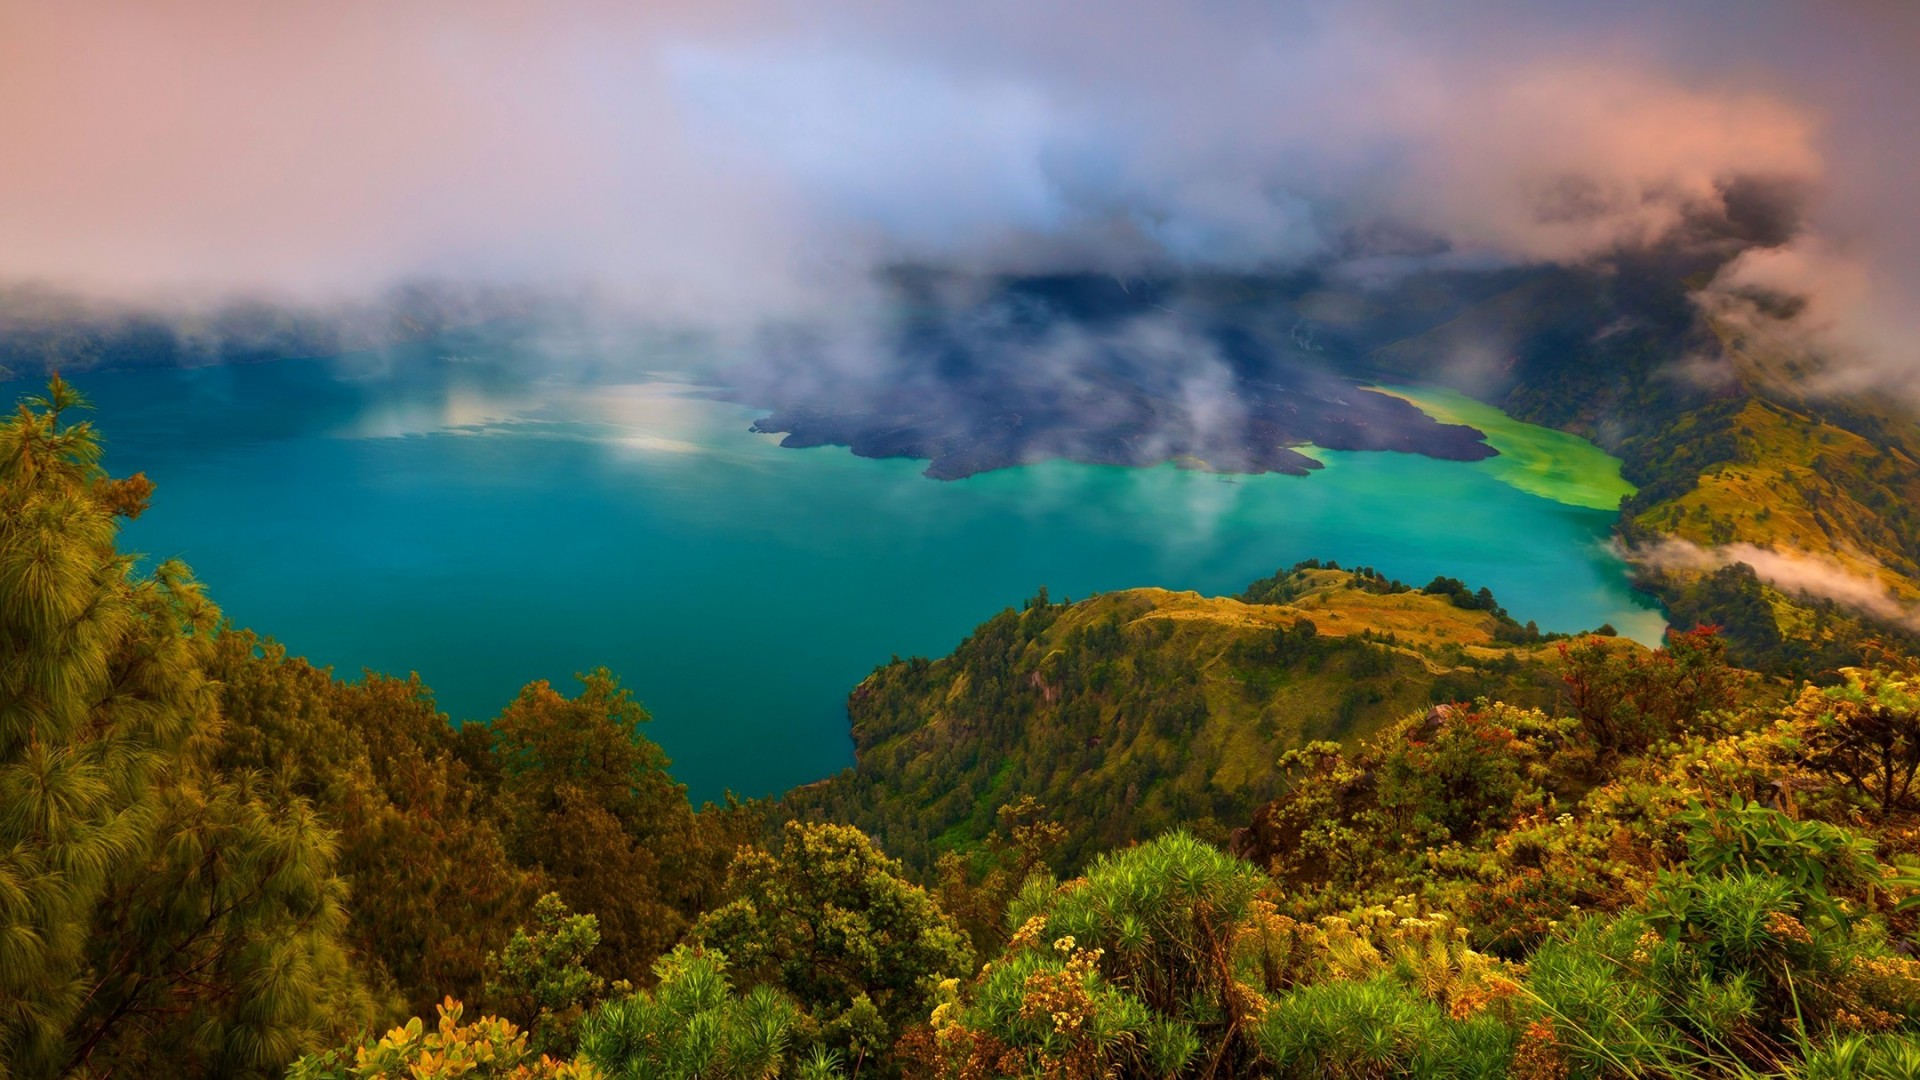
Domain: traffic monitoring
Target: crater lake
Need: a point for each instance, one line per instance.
(420, 509)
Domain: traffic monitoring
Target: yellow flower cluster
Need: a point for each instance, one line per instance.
(490, 1048)
(1428, 951)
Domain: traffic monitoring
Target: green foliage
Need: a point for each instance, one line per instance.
(1132, 713)
(976, 891)
(1626, 700)
(1376, 1028)
(1455, 774)
(1606, 1022)
(1290, 584)
(1812, 857)
(224, 954)
(1420, 806)
(77, 754)
(1717, 973)
(693, 1026)
(1165, 915)
(1047, 1011)
(419, 839)
(828, 919)
(590, 747)
(153, 908)
(1129, 971)
(1859, 1057)
(1734, 599)
(588, 803)
(541, 977)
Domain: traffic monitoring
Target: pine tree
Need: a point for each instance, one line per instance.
(97, 691)
(157, 915)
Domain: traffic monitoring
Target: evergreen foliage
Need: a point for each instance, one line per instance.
(153, 908)
(693, 1026)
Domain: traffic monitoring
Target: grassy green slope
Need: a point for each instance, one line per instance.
(1137, 710)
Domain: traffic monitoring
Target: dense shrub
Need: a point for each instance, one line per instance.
(693, 1026)
(831, 921)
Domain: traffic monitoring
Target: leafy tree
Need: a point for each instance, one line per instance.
(1626, 700)
(976, 891)
(1865, 734)
(419, 840)
(542, 977)
(1362, 826)
(589, 803)
(830, 920)
(1734, 598)
(590, 746)
(1456, 772)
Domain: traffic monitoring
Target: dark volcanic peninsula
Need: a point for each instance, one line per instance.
(1127, 425)
(1095, 370)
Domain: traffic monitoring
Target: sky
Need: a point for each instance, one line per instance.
(749, 159)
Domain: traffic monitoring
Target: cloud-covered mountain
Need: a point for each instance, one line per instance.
(750, 160)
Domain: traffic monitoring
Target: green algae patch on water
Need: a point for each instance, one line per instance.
(1538, 460)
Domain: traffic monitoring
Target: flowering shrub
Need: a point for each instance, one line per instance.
(487, 1049)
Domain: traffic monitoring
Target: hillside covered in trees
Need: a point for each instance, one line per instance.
(1336, 826)
(1135, 711)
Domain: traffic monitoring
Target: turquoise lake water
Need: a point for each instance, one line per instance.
(440, 514)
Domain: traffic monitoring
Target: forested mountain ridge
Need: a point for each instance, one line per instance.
(1135, 710)
(1796, 532)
